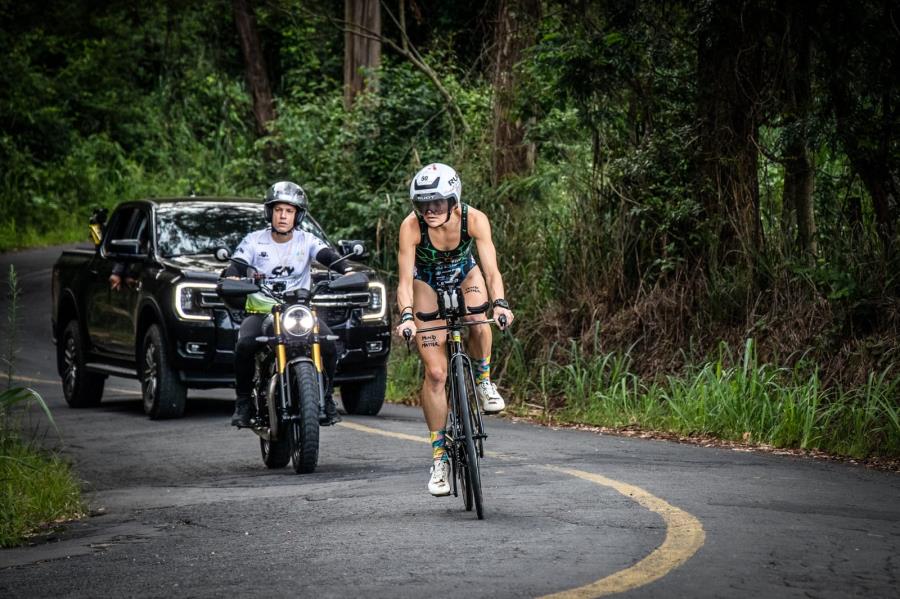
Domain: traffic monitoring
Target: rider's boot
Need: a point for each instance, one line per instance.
(242, 411)
(330, 415)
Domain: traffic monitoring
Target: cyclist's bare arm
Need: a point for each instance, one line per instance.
(480, 230)
(406, 254)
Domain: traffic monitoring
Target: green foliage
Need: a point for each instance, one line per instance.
(36, 487)
(743, 401)
(604, 243)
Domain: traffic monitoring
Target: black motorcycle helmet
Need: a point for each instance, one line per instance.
(286, 192)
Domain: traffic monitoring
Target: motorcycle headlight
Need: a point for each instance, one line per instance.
(377, 305)
(297, 321)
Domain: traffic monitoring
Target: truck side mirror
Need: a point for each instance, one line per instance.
(124, 249)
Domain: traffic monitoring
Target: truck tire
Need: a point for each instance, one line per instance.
(163, 393)
(82, 389)
(367, 397)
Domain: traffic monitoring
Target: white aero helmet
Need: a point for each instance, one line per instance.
(436, 182)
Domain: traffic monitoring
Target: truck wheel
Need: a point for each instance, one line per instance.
(366, 398)
(82, 389)
(163, 393)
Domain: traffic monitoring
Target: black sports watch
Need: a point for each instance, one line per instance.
(501, 303)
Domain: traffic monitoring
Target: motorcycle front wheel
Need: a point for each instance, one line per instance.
(303, 429)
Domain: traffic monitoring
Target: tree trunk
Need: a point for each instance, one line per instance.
(799, 171)
(515, 31)
(257, 79)
(859, 49)
(361, 52)
(872, 168)
(728, 77)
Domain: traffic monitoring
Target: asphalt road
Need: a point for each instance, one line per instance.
(186, 508)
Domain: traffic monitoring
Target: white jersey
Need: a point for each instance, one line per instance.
(289, 261)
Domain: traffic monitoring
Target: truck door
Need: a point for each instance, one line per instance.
(122, 338)
(110, 311)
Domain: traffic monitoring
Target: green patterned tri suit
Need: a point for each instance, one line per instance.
(439, 267)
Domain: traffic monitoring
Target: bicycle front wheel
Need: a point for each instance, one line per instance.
(470, 457)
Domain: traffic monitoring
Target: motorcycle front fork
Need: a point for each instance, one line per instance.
(282, 362)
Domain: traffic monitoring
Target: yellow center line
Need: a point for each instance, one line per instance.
(28, 379)
(684, 537)
(684, 532)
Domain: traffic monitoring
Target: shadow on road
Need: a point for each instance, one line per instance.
(196, 408)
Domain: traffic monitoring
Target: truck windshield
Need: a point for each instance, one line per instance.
(189, 228)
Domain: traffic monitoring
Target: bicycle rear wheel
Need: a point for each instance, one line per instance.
(470, 453)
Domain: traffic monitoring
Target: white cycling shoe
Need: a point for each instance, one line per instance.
(439, 485)
(491, 402)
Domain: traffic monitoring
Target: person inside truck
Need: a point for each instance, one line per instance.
(120, 272)
(285, 250)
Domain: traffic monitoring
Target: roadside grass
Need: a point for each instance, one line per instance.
(66, 231)
(404, 376)
(744, 401)
(735, 400)
(37, 486)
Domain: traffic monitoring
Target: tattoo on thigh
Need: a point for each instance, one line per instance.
(429, 341)
(473, 289)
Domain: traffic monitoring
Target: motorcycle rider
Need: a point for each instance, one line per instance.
(282, 250)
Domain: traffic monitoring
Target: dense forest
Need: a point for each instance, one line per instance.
(692, 201)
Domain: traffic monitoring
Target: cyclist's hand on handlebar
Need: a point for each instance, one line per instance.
(504, 317)
(407, 329)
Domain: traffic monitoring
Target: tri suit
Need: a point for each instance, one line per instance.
(441, 267)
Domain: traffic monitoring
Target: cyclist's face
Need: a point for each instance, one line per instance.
(434, 208)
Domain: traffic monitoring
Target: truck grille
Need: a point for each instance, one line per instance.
(333, 315)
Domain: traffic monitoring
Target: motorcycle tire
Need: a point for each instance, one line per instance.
(303, 430)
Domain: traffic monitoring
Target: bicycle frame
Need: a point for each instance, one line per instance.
(463, 440)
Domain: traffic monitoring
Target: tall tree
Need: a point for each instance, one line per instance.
(517, 22)
(362, 45)
(729, 73)
(255, 66)
(799, 170)
(861, 45)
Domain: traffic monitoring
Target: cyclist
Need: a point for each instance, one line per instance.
(436, 242)
(282, 250)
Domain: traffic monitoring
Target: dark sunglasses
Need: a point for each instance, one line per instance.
(434, 207)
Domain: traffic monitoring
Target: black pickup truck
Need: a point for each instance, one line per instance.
(165, 324)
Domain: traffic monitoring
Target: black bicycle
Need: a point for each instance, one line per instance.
(465, 428)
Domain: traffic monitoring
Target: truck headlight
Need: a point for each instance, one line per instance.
(377, 302)
(297, 321)
(195, 301)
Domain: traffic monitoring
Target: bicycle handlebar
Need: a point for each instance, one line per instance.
(460, 324)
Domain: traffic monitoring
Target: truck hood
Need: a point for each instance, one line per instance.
(206, 266)
(202, 266)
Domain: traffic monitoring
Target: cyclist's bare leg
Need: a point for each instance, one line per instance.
(479, 345)
(434, 357)
(475, 294)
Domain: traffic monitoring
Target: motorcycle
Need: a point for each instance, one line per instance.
(288, 385)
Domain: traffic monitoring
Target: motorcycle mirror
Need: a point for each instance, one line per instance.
(352, 247)
(222, 254)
